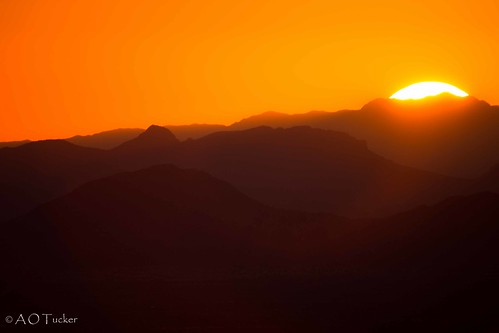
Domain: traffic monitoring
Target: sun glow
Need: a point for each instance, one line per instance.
(425, 89)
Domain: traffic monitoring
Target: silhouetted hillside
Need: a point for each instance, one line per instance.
(107, 139)
(313, 170)
(114, 138)
(487, 182)
(182, 245)
(441, 259)
(138, 218)
(444, 134)
(278, 119)
(39, 171)
(151, 147)
(13, 144)
(154, 138)
(459, 230)
(269, 118)
(297, 168)
(194, 131)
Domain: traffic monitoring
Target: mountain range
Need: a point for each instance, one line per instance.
(138, 242)
(296, 168)
(444, 134)
(382, 219)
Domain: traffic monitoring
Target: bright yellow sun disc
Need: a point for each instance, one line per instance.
(425, 89)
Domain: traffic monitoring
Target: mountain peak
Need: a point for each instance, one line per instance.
(158, 132)
(153, 137)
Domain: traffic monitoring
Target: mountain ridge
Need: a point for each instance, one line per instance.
(131, 240)
(445, 134)
(301, 168)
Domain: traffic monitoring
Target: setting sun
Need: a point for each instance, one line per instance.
(425, 89)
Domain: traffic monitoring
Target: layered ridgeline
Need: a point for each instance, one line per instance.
(112, 139)
(314, 170)
(182, 245)
(36, 172)
(444, 134)
(299, 168)
(136, 218)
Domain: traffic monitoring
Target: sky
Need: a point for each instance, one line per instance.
(84, 66)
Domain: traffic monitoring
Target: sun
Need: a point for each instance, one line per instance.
(425, 89)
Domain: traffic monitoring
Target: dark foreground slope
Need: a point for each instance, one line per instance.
(171, 250)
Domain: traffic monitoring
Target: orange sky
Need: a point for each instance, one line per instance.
(83, 66)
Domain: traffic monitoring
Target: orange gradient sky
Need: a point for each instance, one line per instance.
(79, 67)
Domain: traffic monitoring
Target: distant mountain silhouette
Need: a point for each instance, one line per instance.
(445, 134)
(137, 218)
(441, 260)
(114, 138)
(269, 118)
(458, 229)
(107, 139)
(278, 119)
(313, 170)
(302, 168)
(155, 137)
(36, 172)
(297, 168)
(39, 171)
(13, 144)
(149, 148)
(183, 244)
(194, 131)
(164, 202)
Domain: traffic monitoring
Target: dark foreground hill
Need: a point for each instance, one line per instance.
(166, 249)
(144, 217)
